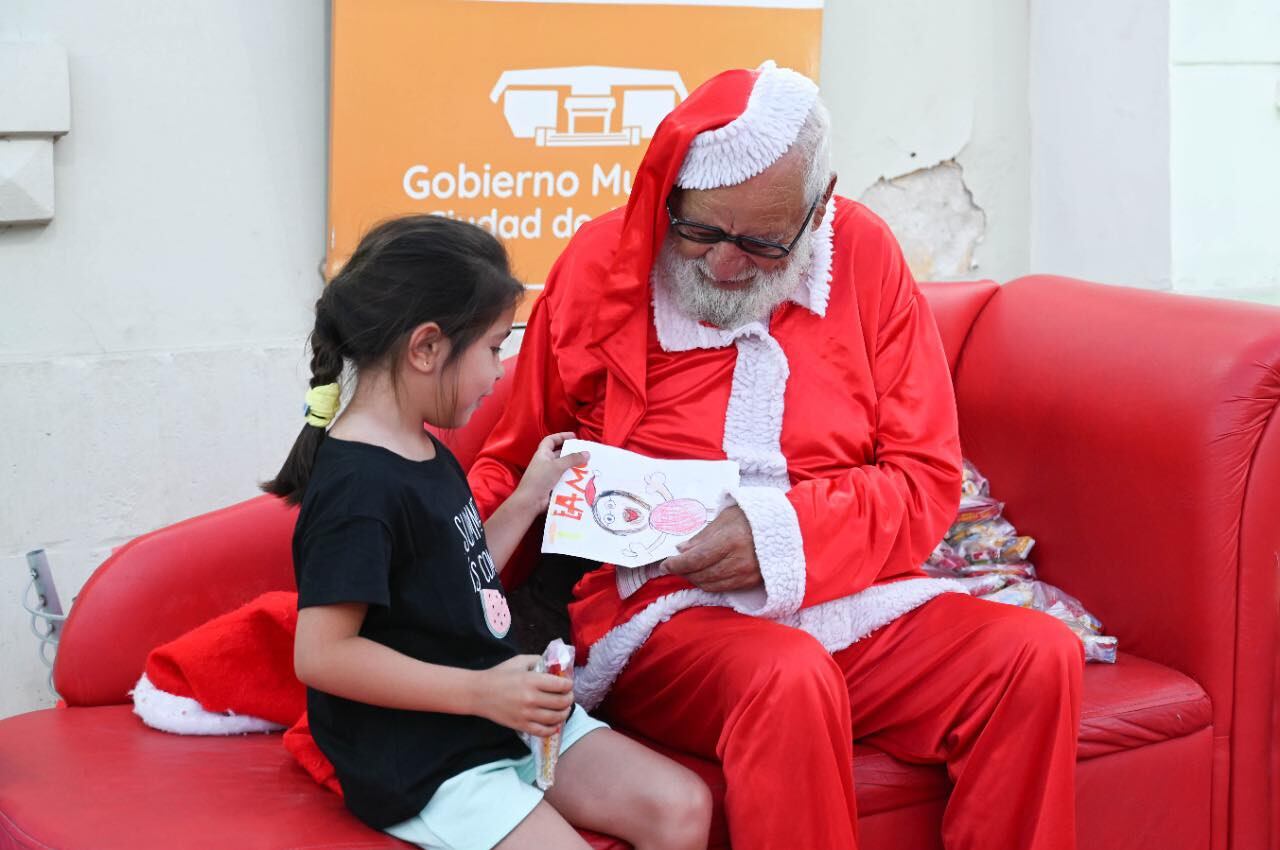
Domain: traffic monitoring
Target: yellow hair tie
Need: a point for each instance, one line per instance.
(322, 404)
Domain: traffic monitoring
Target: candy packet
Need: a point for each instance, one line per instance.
(977, 508)
(558, 661)
(974, 484)
(984, 552)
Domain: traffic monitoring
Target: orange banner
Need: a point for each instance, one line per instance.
(525, 117)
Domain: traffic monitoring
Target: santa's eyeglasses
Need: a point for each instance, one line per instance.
(707, 234)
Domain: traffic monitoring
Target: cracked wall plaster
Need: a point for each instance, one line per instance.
(958, 95)
(932, 213)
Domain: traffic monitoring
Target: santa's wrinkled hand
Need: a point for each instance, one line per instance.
(721, 557)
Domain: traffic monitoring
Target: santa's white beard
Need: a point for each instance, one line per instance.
(687, 280)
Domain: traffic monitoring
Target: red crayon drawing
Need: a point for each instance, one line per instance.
(622, 513)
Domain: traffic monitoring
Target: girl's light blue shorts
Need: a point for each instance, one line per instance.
(479, 807)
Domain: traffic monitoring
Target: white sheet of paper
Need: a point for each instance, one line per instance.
(630, 510)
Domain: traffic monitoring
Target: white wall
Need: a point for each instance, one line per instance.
(931, 127)
(1099, 92)
(151, 336)
(1225, 148)
(1155, 144)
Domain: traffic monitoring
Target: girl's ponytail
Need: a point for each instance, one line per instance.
(326, 370)
(404, 272)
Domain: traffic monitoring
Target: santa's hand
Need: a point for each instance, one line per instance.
(720, 557)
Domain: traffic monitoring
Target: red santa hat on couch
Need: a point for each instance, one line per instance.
(231, 676)
(729, 129)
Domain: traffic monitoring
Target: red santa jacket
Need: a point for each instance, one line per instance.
(840, 412)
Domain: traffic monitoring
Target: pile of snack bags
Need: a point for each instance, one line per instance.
(985, 553)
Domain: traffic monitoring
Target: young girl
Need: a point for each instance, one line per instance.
(415, 691)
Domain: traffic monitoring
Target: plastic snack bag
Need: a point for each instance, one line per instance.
(978, 508)
(945, 558)
(1064, 606)
(983, 585)
(1099, 648)
(974, 483)
(1020, 594)
(558, 661)
(984, 552)
(1019, 570)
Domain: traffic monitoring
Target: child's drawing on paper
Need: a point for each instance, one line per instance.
(630, 510)
(622, 513)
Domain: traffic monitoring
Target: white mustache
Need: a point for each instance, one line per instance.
(697, 295)
(705, 270)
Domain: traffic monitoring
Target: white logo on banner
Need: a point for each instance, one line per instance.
(532, 101)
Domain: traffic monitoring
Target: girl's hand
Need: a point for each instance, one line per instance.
(513, 695)
(512, 519)
(545, 470)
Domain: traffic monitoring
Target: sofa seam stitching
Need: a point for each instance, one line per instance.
(1236, 636)
(968, 333)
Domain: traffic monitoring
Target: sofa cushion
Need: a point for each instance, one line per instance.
(96, 777)
(1136, 702)
(81, 777)
(1125, 705)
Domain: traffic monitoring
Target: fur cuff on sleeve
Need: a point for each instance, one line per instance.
(779, 548)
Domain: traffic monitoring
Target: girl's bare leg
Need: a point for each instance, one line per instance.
(611, 784)
(543, 829)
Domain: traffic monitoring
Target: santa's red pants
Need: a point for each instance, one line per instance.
(991, 690)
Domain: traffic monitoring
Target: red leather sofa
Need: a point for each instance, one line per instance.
(1132, 433)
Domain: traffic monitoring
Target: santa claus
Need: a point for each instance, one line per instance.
(737, 308)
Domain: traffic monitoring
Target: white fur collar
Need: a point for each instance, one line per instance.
(680, 332)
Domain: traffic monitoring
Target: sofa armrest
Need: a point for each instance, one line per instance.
(160, 585)
(1132, 433)
(955, 305)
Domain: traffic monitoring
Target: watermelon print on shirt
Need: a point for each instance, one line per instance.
(493, 602)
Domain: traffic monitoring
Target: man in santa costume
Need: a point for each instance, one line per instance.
(736, 308)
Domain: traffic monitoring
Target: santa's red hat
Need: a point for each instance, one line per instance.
(728, 130)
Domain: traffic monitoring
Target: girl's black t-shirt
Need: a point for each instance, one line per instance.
(405, 538)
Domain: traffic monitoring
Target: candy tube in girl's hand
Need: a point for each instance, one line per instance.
(558, 661)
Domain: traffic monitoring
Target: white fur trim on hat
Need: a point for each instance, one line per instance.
(779, 102)
(184, 716)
